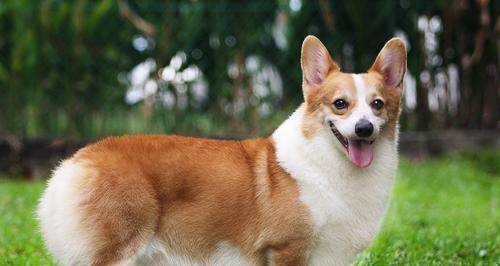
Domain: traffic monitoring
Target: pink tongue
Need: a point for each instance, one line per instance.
(360, 153)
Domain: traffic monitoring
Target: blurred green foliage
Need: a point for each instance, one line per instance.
(61, 61)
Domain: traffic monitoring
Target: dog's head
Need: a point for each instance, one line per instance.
(357, 109)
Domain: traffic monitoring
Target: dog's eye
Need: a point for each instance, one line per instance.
(340, 104)
(377, 104)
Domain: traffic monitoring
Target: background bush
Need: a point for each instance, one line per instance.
(92, 68)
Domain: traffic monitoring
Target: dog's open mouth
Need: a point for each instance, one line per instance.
(360, 151)
(339, 136)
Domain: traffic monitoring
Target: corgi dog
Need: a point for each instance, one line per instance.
(312, 193)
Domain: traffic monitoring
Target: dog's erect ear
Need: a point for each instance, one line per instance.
(391, 63)
(316, 63)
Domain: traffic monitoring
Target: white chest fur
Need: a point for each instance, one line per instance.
(347, 204)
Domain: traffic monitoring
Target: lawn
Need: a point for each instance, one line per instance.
(443, 212)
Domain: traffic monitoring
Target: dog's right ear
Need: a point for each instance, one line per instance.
(316, 63)
(391, 64)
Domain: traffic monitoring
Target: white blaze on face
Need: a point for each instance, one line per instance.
(362, 109)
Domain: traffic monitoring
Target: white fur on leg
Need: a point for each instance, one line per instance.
(156, 253)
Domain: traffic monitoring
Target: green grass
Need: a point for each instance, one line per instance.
(20, 241)
(443, 212)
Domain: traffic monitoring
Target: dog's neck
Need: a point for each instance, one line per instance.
(329, 183)
(319, 158)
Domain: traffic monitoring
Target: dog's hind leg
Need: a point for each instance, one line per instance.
(90, 218)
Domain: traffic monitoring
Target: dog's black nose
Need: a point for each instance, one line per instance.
(363, 128)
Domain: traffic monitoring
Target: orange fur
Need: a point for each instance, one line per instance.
(192, 193)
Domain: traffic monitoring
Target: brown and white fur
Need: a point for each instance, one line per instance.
(298, 197)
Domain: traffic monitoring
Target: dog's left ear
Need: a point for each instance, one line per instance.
(391, 63)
